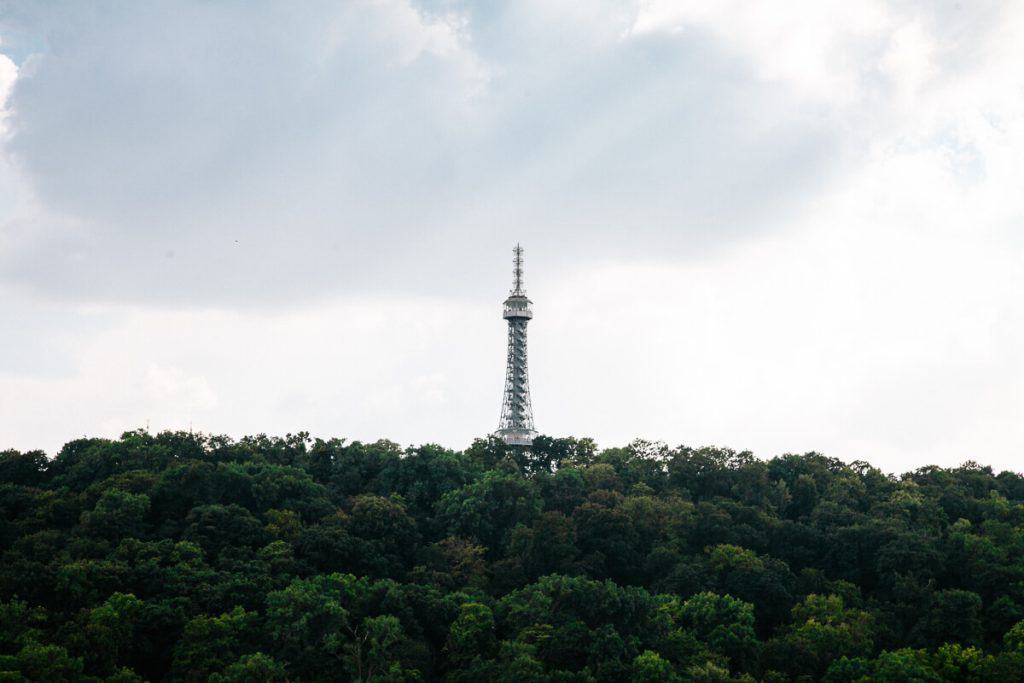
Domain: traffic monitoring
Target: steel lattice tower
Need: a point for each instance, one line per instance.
(516, 425)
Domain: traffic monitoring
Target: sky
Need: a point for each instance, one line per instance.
(777, 227)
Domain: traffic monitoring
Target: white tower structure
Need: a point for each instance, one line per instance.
(516, 425)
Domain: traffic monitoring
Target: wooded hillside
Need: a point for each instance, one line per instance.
(192, 558)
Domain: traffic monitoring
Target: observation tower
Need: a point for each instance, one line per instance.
(516, 425)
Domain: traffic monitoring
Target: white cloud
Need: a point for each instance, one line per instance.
(824, 50)
(782, 228)
(363, 369)
(11, 190)
(252, 156)
(8, 74)
(173, 386)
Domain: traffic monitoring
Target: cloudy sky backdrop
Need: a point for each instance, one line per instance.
(778, 227)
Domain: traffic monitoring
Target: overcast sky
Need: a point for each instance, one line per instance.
(780, 227)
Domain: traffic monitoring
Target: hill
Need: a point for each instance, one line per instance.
(190, 558)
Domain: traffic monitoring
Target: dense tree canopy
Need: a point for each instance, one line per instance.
(186, 557)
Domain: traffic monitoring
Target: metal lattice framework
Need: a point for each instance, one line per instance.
(516, 425)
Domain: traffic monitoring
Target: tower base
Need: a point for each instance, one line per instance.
(516, 437)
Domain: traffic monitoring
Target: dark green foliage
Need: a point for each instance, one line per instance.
(184, 557)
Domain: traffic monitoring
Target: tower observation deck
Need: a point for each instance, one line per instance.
(516, 424)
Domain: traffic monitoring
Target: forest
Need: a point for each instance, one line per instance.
(188, 557)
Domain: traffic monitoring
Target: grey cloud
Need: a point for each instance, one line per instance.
(251, 154)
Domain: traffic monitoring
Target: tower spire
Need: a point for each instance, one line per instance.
(516, 424)
(517, 271)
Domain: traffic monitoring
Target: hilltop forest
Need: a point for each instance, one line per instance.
(181, 557)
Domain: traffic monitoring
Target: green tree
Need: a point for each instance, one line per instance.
(725, 625)
(649, 667)
(823, 630)
(954, 617)
(472, 634)
(487, 510)
(24, 469)
(901, 666)
(373, 653)
(217, 528)
(308, 623)
(953, 662)
(253, 668)
(209, 644)
(50, 663)
(20, 624)
(1014, 638)
(849, 670)
(118, 514)
(183, 556)
(106, 638)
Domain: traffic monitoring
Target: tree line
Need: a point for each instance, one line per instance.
(185, 557)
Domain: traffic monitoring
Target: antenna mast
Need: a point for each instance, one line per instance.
(517, 271)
